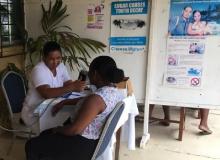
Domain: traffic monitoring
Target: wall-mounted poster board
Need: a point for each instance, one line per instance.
(184, 53)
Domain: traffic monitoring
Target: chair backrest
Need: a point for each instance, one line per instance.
(14, 90)
(108, 130)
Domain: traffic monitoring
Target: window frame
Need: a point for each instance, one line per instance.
(13, 49)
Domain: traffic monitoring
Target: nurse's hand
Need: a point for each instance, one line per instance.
(78, 86)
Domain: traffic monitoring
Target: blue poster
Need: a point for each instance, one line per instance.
(194, 18)
(128, 26)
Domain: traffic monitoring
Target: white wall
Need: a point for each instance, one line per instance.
(134, 65)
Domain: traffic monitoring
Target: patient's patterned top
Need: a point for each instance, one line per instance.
(111, 97)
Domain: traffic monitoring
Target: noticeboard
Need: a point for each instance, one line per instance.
(184, 67)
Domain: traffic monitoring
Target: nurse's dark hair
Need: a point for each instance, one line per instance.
(49, 47)
(107, 69)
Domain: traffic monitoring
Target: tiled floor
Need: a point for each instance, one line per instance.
(162, 145)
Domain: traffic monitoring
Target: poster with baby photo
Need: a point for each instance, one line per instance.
(194, 18)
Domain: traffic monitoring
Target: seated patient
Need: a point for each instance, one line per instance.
(79, 139)
(49, 79)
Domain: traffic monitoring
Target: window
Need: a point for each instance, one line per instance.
(12, 23)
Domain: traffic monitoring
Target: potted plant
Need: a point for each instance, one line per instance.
(75, 49)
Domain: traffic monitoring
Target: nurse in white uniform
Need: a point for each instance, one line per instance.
(49, 79)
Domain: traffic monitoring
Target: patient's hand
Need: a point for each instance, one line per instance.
(57, 107)
(60, 105)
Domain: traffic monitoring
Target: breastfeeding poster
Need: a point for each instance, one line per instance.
(191, 22)
(128, 26)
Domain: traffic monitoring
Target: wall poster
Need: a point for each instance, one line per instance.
(95, 15)
(128, 26)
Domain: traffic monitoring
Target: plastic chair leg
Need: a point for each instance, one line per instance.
(11, 144)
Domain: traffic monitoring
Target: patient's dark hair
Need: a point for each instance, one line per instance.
(50, 47)
(107, 69)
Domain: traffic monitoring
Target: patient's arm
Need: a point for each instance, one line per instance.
(91, 107)
(60, 105)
